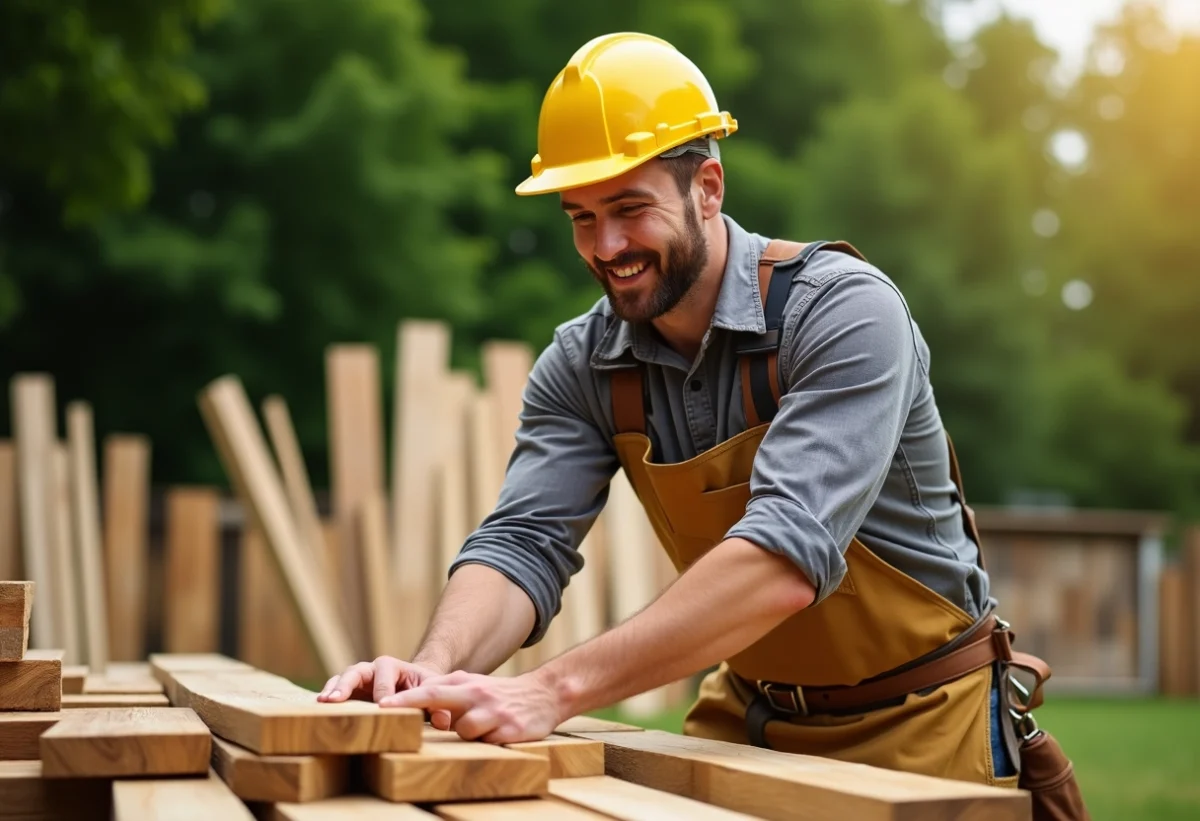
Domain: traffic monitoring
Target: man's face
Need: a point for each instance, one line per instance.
(642, 241)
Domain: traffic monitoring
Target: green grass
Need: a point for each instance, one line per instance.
(1136, 760)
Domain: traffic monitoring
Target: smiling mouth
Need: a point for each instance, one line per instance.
(627, 271)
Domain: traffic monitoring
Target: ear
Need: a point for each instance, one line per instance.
(710, 185)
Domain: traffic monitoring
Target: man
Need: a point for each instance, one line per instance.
(772, 407)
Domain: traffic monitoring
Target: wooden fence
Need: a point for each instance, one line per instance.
(302, 582)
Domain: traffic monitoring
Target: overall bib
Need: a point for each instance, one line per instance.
(884, 671)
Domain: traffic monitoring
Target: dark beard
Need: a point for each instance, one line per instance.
(687, 254)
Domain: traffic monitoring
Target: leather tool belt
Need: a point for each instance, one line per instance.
(989, 640)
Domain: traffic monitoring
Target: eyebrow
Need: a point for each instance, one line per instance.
(623, 194)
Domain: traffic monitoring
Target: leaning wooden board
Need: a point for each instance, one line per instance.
(785, 787)
(269, 715)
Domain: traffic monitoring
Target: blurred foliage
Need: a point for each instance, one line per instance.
(320, 171)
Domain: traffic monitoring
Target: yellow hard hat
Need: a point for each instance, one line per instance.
(621, 99)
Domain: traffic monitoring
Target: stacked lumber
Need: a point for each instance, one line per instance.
(396, 520)
(236, 742)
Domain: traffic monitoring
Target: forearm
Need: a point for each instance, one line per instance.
(730, 598)
(481, 619)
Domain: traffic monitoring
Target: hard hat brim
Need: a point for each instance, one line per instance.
(565, 177)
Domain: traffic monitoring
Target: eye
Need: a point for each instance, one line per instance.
(581, 217)
(633, 208)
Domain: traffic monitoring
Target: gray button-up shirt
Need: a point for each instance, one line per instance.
(857, 447)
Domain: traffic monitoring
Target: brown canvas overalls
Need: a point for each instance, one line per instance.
(819, 683)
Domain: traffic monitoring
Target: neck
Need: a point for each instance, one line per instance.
(684, 326)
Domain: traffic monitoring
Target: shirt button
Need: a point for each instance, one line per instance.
(696, 385)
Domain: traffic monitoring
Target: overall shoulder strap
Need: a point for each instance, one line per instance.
(758, 354)
(628, 405)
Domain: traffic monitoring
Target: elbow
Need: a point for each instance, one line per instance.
(795, 592)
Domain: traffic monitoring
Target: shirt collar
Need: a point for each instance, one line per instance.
(739, 306)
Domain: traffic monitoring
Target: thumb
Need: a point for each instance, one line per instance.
(440, 719)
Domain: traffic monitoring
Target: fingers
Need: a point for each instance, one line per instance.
(340, 688)
(440, 719)
(387, 673)
(454, 698)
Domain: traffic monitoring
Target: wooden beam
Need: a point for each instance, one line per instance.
(66, 569)
(165, 665)
(11, 564)
(34, 430)
(108, 700)
(126, 741)
(192, 599)
(20, 731)
(243, 451)
(381, 610)
(348, 808)
(295, 778)
(532, 809)
(179, 799)
(126, 538)
(578, 725)
(456, 771)
(123, 678)
(788, 787)
(422, 360)
(303, 501)
(33, 683)
(453, 485)
(568, 757)
(16, 602)
(627, 801)
(355, 412)
(85, 517)
(269, 715)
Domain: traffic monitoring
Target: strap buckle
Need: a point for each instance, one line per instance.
(786, 698)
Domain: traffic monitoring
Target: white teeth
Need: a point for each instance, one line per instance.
(628, 270)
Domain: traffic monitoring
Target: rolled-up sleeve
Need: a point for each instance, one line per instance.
(851, 364)
(555, 486)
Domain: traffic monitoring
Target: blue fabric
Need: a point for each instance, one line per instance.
(1001, 761)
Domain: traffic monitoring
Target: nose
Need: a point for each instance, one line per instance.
(610, 240)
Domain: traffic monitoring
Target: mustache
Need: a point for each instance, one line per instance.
(627, 258)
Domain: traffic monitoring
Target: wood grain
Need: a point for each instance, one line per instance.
(33, 683)
(177, 799)
(20, 731)
(292, 778)
(16, 603)
(79, 700)
(348, 808)
(527, 810)
(269, 715)
(787, 787)
(126, 741)
(568, 757)
(456, 771)
(633, 802)
(26, 794)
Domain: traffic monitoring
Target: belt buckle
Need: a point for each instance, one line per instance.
(793, 693)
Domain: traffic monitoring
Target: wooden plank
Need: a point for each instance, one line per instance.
(164, 665)
(588, 724)
(26, 794)
(786, 787)
(20, 731)
(85, 519)
(66, 569)
(123, 678)
(269, 715)
(73, 677)
(16, 603)
(243, 451)
(11, 564)
(179, 799)
(34, 431)
(453, 486)
(126, 741)
(126, 543)
(296, 483)
(422, 360)
(568, 757)
(79, 700)
(192, 599)
(355, 413)
(34, 683)
(534, 809)
(292, 778)
(456, 771)
(381, 612)
(633, 802)
(347, 807)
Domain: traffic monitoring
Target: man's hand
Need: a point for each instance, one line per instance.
(375, 681)
(497, 710)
